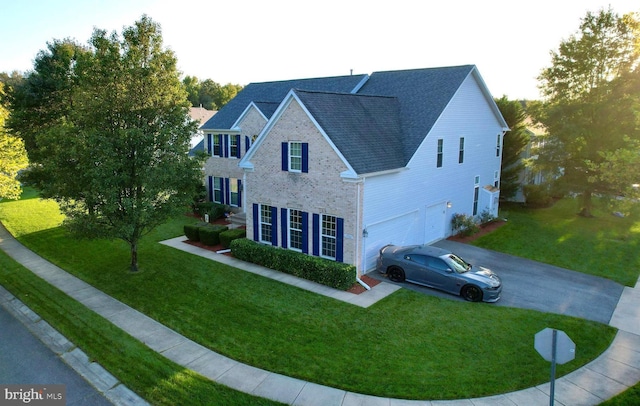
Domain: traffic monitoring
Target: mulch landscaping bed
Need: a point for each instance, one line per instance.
(484, 229)
(356, 288)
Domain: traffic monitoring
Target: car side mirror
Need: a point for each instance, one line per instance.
(449, 270)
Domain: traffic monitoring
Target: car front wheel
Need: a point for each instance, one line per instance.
(395, 274)
(471, 293)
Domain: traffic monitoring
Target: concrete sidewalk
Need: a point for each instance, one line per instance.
(611, 373)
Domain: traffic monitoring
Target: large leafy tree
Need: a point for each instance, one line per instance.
(584, 113)
(114, 151)
(13, 157)
(515, 141)
(43, 99)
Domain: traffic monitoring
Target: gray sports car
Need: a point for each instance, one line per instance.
(440, 269)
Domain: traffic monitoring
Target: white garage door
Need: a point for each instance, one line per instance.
(401, 230)
(435, 223)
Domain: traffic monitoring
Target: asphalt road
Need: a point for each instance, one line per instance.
(533, 285)
(25, 360)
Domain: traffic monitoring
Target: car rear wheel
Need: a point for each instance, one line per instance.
(471, 293)
(396, 274)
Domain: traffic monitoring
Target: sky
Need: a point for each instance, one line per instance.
(244, 41)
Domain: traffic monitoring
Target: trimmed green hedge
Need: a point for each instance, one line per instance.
(192, 233)
(230, 235)
(210, 235)
(330, 273)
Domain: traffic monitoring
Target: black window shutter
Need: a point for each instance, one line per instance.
(285, 156)
(305, 157)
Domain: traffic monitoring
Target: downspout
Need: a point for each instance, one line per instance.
(361, 282)
(360, 237)
(244, 193)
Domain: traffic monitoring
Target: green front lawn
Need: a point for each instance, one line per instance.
(154, 377)
(407, 346)
(605, 246)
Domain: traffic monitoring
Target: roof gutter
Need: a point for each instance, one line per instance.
(385, 172)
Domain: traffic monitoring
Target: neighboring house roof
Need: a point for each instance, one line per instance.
(355, 123)
(200, 114)
(266, 93)
(534, 128)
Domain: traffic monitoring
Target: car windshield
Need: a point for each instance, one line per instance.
(458, 264)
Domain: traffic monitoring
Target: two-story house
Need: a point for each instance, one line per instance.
(340, 173)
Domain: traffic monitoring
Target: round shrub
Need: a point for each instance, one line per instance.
(210, 235)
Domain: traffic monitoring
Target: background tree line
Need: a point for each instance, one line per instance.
(209, 94)
(590, 110)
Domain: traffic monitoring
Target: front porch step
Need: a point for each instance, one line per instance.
(237, 220)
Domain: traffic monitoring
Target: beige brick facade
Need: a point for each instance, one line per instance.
(250, 126)
(320, 191)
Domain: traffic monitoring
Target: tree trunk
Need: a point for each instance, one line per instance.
(134, 256)
(587, 204)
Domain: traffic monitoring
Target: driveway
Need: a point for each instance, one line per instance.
(534, 285)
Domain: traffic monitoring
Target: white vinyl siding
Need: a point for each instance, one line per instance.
(435, 194)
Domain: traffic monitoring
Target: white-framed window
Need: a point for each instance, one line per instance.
(496, 179)
(328, 233)
(217, 145)
(440, 154)
(476, 194)
(266, 223)
(461, 151)
(295, 156)
(295, 230)
(498, 139)
(217, 189)
(233, 146)
(233, 192)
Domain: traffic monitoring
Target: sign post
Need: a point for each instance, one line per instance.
(554, 346)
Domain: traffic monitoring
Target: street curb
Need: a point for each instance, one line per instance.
(92, 372)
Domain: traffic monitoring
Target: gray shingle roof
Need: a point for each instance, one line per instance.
(422, 94)
(377, 128)
(365, 129)
(198, 147)
(274, 92)
(267, 108)
(382, 126)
